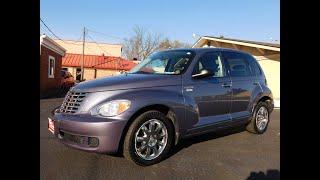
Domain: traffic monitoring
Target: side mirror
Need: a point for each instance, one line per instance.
(203, 73)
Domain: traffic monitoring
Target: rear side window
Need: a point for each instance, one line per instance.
(254, 66)
(237, 64)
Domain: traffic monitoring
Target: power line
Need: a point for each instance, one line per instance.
(82, 37)
(98, 45)
(104, 61)
(43, 29)
(112, 36)
(79, 39)
(79, 44)
(55, 34)
(117, 65)
(74, 43)
(49, 29)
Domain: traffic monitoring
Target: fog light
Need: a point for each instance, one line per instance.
(93, 142)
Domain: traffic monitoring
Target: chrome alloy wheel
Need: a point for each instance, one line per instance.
(151, 139)
(262, 118)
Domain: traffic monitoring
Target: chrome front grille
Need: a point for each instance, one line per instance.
(72, 102)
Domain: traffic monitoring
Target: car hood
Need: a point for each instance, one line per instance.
(127, 81)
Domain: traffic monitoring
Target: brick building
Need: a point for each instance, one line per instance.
(51, 55)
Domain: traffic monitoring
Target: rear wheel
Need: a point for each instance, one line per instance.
(149, 138)
(260, 119)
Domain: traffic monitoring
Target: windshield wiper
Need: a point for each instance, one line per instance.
(143, 72)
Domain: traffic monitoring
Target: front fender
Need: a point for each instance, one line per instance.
(169, 96)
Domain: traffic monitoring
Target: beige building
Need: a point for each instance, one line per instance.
(267, 54)
(90, 48)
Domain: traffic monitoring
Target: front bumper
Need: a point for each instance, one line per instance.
(84, 128)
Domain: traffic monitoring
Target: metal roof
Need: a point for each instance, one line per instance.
(97, 62)
(247, 41)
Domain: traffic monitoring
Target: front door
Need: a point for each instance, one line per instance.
(212, 94)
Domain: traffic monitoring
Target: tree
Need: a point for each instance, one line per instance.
(167, 44)
(143, 43)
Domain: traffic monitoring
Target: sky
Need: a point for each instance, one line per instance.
(175, 19)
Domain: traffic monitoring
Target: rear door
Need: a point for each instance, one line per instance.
(243, 84)
(255, 67)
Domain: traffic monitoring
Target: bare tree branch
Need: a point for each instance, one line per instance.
(143, 43)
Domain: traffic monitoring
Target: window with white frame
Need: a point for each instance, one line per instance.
(51, 67)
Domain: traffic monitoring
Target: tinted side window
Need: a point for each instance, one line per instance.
(210, 61)
(256, 68)
(237, 63)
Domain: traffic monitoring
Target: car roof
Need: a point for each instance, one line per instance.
(200, 50)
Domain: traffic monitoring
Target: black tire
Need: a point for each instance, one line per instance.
(129, 151)
(252, 126)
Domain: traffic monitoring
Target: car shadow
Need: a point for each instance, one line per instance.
(185, 143)
(272, 174)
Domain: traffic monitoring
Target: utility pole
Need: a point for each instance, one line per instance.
(82, 63)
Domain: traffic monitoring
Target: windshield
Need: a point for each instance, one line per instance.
(167, 62)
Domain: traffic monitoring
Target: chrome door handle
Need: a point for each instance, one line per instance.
(226, 85)
(188, 88)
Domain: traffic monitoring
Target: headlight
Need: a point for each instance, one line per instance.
(113, 108)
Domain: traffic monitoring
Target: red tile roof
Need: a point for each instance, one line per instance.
(97, 62)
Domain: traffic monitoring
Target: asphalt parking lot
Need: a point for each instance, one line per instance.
(229, 154)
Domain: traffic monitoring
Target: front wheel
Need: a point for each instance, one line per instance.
(260, 119)
(149, 138)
